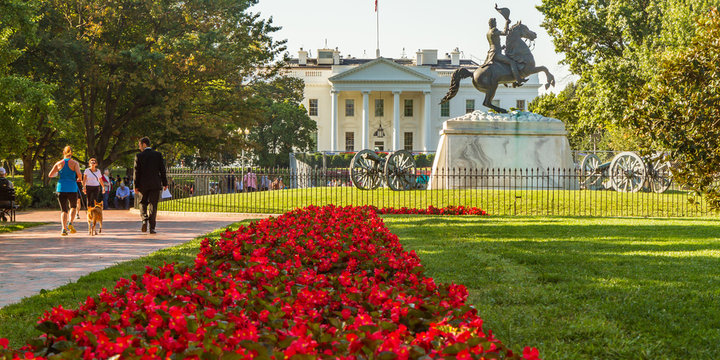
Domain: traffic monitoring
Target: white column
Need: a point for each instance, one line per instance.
(428, 122)
(396, 121)
(334, 121)
(366, 120)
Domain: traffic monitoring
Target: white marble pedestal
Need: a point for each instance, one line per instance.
(504, 151)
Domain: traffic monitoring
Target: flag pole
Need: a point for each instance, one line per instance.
(377, 24)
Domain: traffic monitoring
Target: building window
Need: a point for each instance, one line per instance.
(379, 107)
(313, 107)
(408, 141)
(315, 139)
(445, 109)
(408, 107)
(496, 103)
(379, 146)
(349, 141)
(520, 105)
(469, 105)
(349, 107)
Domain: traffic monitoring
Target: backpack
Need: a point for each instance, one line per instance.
(6, 192)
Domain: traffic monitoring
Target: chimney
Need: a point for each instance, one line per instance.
(336, 57)
(429, 57)
(302, 57)
(419, 60)
(455, 57)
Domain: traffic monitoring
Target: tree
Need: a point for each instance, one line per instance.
(180, 72)
(680, 109)
(613, 47)
(27, 121)
(284, 125)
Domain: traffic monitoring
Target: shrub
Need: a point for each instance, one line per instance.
(23, 199)
(43, 196)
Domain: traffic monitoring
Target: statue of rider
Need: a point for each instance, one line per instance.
(495, 53)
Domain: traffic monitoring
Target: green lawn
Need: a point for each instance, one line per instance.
(496, 202)
(17, 321)
(17, 226)
(582, 288)
(576, 288)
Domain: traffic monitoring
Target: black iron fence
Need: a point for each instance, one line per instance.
(566, 192)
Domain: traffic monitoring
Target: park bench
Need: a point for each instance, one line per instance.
(7, 203)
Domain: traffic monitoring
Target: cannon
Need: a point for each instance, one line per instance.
(368, 170)
(627, 172)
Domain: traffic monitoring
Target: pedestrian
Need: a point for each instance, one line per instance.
(122, 194)
(250, 180)
(231, 181)
(150, 178)
(68, 171)
(7, 194)
(93, 184)
(107, 187)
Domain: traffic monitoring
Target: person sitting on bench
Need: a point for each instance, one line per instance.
(7, 196)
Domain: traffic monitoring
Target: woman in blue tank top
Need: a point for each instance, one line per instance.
(68, 171)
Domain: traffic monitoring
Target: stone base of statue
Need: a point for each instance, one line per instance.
(518, 150)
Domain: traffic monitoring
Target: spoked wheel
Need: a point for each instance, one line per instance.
(627, 172)
(365, 173)
(590, 171)
(660, 175)
(400, 171)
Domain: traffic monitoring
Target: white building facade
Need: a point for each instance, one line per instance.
(390, 104)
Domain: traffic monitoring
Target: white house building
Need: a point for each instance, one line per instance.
(390, 104)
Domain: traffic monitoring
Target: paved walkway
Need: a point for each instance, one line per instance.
(39, 258)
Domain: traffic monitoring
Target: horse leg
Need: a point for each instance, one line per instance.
(489, 95)
(550, 78)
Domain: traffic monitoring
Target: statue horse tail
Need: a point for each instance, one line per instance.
(458, 75)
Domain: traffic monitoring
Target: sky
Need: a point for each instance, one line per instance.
(350, 25)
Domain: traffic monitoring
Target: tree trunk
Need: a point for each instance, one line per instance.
(28, 166)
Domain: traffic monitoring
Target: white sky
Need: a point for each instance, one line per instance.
(350, 25)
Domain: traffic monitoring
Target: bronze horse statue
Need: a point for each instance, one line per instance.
(487, 78)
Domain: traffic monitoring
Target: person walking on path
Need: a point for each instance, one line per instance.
(108, 187)
(68, 171)
(93, 184)
(150, 178)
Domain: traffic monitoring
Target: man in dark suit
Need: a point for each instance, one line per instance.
(150, 179)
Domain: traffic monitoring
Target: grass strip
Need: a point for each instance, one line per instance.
(17, 321)
(579, 288)
(673, 203)
(17, 226)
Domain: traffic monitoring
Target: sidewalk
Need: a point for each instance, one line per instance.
(39, 258)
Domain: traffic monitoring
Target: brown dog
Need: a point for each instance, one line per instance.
(95, 217)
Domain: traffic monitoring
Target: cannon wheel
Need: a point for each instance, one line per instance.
(627, 172)
(590, 171)
(400, 171)
(660, 177)
(365, 173)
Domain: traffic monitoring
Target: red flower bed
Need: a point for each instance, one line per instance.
(326, 282)
(431, 210)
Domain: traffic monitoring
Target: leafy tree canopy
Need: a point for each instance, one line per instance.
(680, 108)
(179, 72)
(613, 45)
(284, 125)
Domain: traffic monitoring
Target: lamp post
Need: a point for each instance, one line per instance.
(245, 132)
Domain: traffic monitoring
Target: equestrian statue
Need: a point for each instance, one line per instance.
(502, 68)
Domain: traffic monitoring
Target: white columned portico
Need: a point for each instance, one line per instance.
(366, 120)
(428, 122)
(334, 120)
(396, 121)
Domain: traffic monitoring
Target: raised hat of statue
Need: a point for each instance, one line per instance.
(512, 66)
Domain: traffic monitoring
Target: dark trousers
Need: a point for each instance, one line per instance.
(148, 206)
